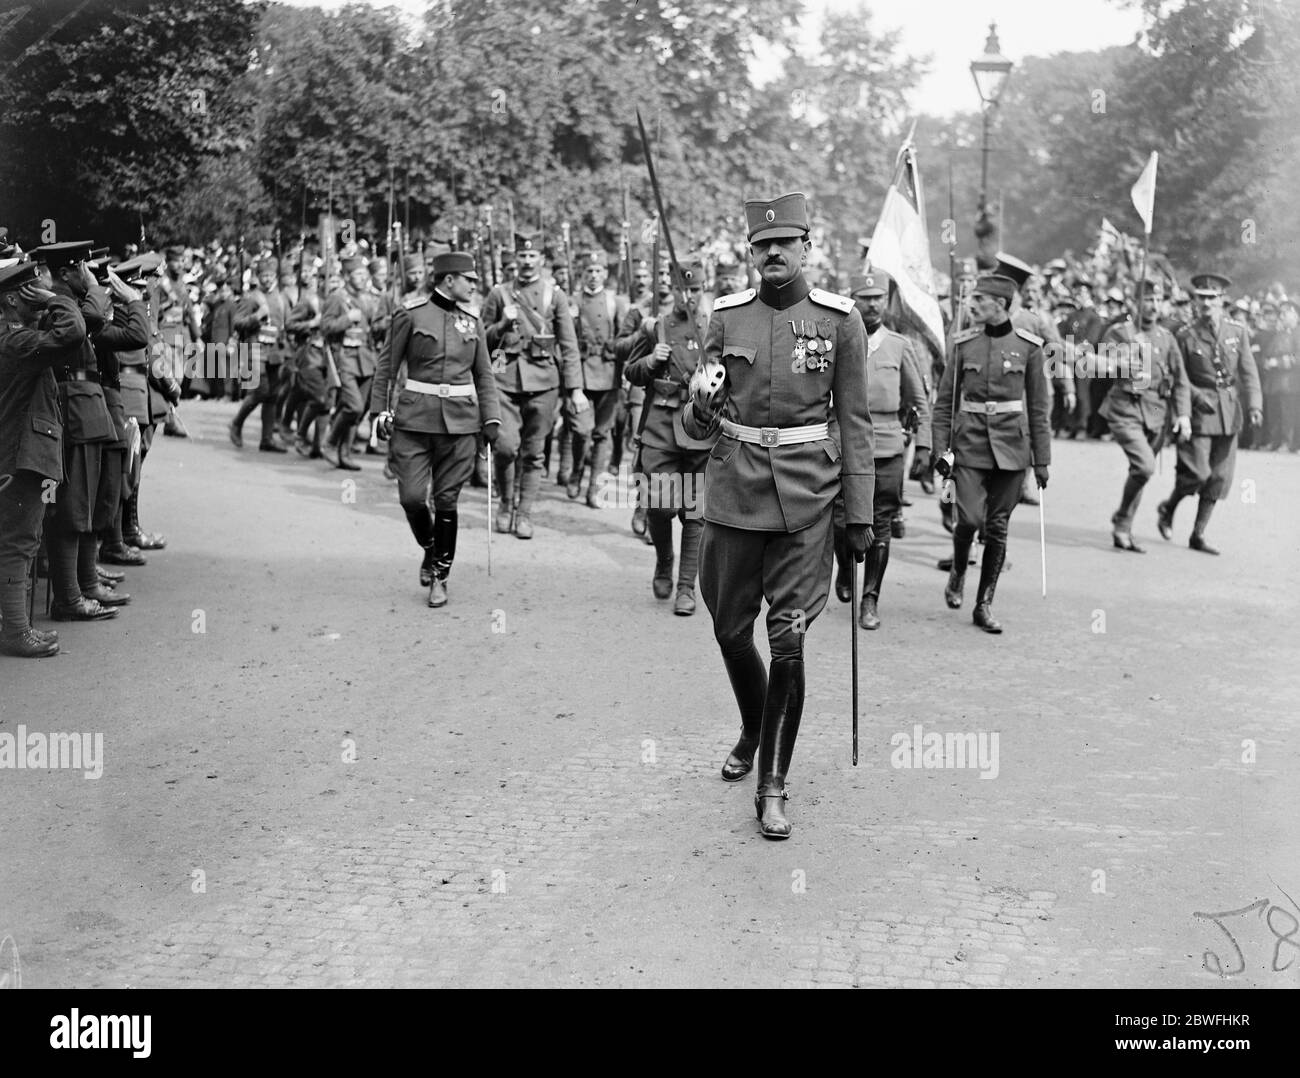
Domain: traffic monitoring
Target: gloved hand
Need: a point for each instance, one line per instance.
(707, 387)
(943, 464)
(1040, 476)
(384, 426)
(921, 462)
(1182, 427)
(860, 537)
(491, 432)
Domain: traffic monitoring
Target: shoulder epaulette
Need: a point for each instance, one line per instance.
(1032, 338)
(843, 304)
(474, 314)
(411, 303)
(734, 299)
(1234, 322)
(967, 334)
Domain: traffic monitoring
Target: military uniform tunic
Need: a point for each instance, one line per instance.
(1220, 369)
(768, 510)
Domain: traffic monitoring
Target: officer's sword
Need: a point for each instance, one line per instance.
(853, 621)
(1042, 538)
(489, 505)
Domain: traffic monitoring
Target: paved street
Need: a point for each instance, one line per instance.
(309, 778)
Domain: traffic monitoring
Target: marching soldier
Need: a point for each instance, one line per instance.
(600, 317)
(1148, 380)
(260, 318)
(662, 358)
(175, 316)
(992, 371)
(349, 321)
(772, 477)
(37, 330)
(535, 356)
(87, 426)
(895, 388)
(1220, 370)
(640, 307)
(449, 394)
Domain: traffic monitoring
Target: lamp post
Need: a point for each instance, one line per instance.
(990, 72)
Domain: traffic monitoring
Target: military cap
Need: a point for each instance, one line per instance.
(1064, 303)
(412, 262)
(692, 274)
(595, 258)
(994, 284)
(1010, 266)
(727, 267)
(1210, 284)
(353, 262)
(640, 263)
(528, 241)
(17, 275)
(1115, 295)
(782, 218)
(266, 262)
(134, 269)
(1055, 266)
(875, 283)
(461, 262)
(1182, 299)
(176, 250)
(58, 255)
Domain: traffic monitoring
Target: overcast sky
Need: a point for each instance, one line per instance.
(953, 32)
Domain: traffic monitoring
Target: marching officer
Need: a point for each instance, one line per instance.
(37, 330)
(1147, 381)
(1220, 370)
(350, 319)
(535, 356)
(894, 388)
(993, 369)
(449, 395)
(600, 317)
(662, 358)
(260, 318)
(773, 357)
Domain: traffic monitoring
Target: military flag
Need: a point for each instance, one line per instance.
(900, 246)
(1144, 192)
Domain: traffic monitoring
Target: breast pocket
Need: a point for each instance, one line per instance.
(746, 350)
(423, 345)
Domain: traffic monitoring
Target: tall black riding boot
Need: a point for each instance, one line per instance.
(661, 531)
(420, 520)
(446, 522)
(995, 554)
(343, 432)
(952, 594)
(843, 575)
(1203, 511)
(688, 565)
(749, 684)
(782, 712)
(1165, 515)
(132, 533)
(877, 559)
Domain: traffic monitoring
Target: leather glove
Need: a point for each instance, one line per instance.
(384, 426)
(1040, 475)
(491, 432)
(943, 464)
(860, 537)
(921, 462)
(1182, 427)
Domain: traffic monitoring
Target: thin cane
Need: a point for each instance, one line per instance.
(489, 506)
(853, 574)
(1042, 538)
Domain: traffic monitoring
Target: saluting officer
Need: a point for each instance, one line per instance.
(260, 318)
(534, 355)
(1220, 370)
(662, 358)
(993, 369)
(37, 330)
(895, 387)
(448, 396)
(87, 428)
(772, 477)
(1148, 380)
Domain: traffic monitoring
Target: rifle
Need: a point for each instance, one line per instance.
(494, 256)
(625, 250)
(568, 260)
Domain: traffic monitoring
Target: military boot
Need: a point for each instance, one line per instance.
(990, 569)
(748, 678)
(782, 712)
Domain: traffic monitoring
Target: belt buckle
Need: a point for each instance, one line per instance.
(990, 407)
(444, 390)
(769, 436)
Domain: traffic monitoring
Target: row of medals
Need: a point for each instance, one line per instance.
(812, 345)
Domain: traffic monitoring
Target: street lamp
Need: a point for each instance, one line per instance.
(990, 72)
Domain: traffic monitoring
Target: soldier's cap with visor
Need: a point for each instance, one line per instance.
(782, 218)
(412, 262)
(1210, 284)
(17, 275)
(353, 262)
(994, 284)
(459, 262)
(528, 241)
(873, 283)
(593, 258)
(1010, 266)
(135, 270)
(58, 255)
(692, 274)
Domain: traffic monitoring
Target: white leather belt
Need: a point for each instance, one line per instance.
(992, 407)
(774, 436)
(442, 390)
